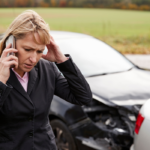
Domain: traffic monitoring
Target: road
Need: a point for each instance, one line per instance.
(142, 61)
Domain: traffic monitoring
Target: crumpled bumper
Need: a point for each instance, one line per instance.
(97, 144)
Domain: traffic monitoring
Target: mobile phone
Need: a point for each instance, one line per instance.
(11, 39)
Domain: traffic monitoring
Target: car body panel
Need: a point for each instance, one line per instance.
(130, 85)
(145, 110)
(141, 140)
(66, 111)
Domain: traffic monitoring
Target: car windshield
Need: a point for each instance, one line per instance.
(94, 57)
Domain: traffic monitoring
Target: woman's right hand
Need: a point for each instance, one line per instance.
(7, 62)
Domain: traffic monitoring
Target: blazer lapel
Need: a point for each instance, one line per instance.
(32, 79)
(17, 85)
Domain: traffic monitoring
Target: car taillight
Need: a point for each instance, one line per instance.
(138, 124)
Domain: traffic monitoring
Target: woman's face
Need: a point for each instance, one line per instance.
(29, 53)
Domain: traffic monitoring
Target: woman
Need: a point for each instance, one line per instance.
(26, 91)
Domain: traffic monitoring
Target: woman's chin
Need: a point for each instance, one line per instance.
(24, 69)
(28, 69)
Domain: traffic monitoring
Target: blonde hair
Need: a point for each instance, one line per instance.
(27, 22)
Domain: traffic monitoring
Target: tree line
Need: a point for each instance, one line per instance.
(118, 4)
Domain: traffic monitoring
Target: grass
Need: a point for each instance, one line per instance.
(127, 31)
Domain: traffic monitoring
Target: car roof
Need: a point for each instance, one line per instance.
(58, 35)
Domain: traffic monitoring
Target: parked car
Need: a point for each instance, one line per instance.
(119, 90)
(142, 135)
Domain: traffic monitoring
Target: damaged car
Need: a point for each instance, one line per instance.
(119, 90)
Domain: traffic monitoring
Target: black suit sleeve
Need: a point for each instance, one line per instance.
(73, 88)
(4, 92)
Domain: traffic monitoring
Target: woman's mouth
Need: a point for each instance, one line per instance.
(28, 66)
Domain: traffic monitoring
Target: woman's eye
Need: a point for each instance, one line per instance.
(27, 49)
(40, 51)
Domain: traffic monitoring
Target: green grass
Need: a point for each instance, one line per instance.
(127, 31)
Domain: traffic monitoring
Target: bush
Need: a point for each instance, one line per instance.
(132, 6)
(144, 7)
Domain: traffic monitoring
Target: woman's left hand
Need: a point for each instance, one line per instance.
(54, 54)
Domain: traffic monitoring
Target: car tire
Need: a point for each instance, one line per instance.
(63, 137)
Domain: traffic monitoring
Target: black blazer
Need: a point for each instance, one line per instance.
(24, 121)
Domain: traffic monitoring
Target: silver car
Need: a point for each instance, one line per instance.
(142, 135)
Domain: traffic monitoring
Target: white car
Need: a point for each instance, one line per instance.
(142, 129)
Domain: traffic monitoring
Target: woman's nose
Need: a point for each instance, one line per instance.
(33, 58)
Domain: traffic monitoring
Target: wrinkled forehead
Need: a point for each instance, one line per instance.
(32, 40)
(39, 36)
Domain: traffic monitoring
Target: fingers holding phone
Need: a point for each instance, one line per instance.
(8, 51)
(6, 62)
(9, 55)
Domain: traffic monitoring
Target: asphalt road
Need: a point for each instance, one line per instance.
(142, 61)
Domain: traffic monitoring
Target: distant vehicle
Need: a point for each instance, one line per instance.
(142, 128)
(119, 90)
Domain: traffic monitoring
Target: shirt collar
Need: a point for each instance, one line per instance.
(25, 76)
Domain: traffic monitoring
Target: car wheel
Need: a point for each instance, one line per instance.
(63, 137)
